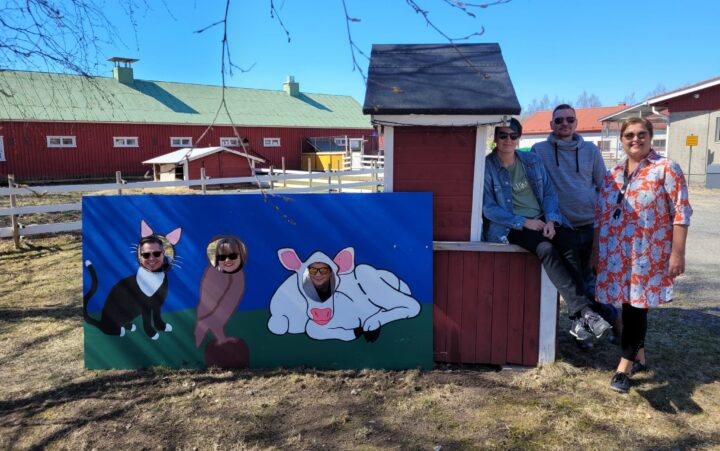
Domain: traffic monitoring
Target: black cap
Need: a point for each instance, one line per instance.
(514, 124)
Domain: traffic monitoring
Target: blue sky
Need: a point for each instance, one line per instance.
(608, 48)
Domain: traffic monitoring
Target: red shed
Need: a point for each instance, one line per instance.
(218, 162)
(492, 302)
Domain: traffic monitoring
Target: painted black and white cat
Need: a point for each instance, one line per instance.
(141, 294)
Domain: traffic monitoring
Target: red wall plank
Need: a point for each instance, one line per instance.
(516, 306)
(531, 320)
(454, 305)
(501, 276)
(485, 289)
(468, 326)
(440, 321)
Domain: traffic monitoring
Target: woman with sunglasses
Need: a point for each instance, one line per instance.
(520, 207)
(642, 219)
(221, 288)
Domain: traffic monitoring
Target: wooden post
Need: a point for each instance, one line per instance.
(283, 172)
(339, 184)
(202, 180)
(272, 174)
(374, 177)
(14, 218)
(329, 176)
(118, 180)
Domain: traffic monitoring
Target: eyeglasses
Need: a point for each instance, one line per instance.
(512, 136)
(640, 135)
(559, 120)
(147, 255)
(223, 257)
(324, 270)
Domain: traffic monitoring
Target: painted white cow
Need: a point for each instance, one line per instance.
(363, 299)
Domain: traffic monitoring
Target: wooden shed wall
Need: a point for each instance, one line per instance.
(439, 160)
(486, 307)
(220, 164)
(29, 158)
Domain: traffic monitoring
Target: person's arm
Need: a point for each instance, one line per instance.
(492, 209)
(549, 202)
(677, 252)
(599, 169)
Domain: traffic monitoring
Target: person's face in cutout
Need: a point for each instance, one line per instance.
(228, 258)
(152, 256)
(319, 274)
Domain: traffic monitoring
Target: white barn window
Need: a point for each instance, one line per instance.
(229, 142)
(271, 142)
(61, 141)
(180, 142)
(2, 149)
(125, 141)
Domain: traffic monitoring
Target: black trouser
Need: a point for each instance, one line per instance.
(634, 330)
(560, 259)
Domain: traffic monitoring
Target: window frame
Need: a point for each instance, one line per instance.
(231, 139)
(126, 138)
(2, 149)
(271, 142)
(717, 129)
(188, 138)
(61, 144)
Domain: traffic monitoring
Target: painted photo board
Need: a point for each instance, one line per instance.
(259, 281)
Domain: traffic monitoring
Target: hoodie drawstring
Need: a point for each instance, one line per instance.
(577, 158)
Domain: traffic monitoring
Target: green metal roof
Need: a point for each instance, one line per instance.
(37, 96)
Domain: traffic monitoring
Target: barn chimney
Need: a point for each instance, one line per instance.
(123, 71)
(291, 86)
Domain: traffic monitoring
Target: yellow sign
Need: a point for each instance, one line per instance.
(691, 140)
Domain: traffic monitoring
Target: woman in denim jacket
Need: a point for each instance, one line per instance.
(521, 207)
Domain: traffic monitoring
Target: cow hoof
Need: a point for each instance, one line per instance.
(133, 328)
(155, 337)
(358, 331)
(372, 336)
(122, 331)
(168, 327)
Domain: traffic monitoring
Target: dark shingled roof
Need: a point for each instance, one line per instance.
(439, 79)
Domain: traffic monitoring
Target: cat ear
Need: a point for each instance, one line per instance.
(289, 259)
(145, 229)
(174, 236)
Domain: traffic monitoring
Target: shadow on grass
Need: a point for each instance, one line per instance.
(682, 346)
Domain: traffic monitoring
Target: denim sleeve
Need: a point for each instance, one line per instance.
(494, 211)
(550, 204)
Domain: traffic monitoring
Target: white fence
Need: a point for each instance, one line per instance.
(364, 180)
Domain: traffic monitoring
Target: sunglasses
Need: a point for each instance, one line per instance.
(640, 135)
(147, 255)
(223, 257)
(559, 120)
(324, 270)
(512, 136)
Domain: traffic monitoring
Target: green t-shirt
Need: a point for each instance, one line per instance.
(524, 201)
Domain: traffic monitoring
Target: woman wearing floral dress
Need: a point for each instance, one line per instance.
(642, 221)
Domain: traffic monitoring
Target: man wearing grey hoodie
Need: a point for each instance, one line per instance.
(576, 169)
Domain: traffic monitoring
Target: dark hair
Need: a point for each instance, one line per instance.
(235, 245)
(150, 239)
(563, 106)
(637, 120)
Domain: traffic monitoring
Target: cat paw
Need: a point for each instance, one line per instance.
(155, 337)
(122, 331)
(168, 327)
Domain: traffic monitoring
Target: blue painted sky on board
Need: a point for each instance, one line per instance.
(390, 231)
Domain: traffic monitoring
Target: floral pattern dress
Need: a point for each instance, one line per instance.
(636, 232)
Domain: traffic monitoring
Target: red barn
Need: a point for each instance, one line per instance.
(60, 127)
(437, 106)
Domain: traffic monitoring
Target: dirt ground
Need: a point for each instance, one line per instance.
(50, 401)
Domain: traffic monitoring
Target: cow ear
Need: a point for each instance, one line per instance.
(145, 229)
(174, 236)
(289, 259)
(345, 260)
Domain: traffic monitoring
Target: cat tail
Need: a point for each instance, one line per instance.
(90, 293)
